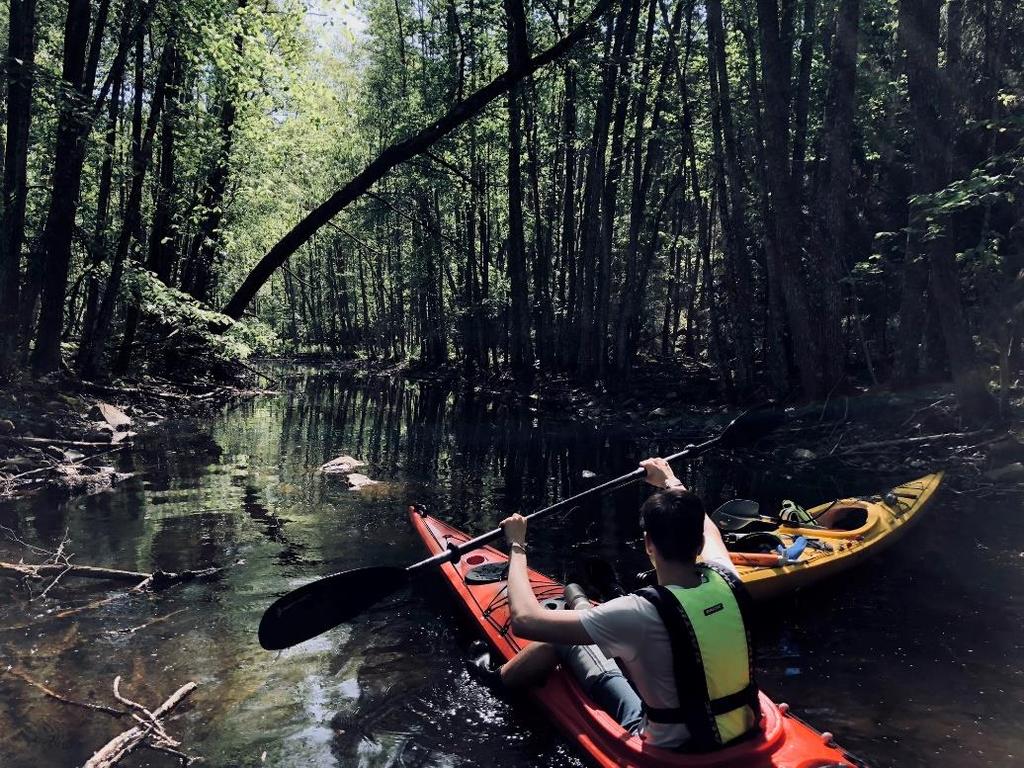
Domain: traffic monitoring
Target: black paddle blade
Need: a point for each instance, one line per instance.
(750, 426)
(742, 515)
(314, 608)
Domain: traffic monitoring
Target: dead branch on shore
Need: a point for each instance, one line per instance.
(140, 627)
(913, 441)
(20, 440)
(71, 476)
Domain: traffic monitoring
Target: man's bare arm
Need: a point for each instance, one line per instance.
(529, 620)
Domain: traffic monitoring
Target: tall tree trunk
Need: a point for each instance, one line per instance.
(21, 51)
(776, 61)
(91, 349)
(774, 348)
(567, 283)
(161, 243)
(198, 279)
(609, 204)
(731, 205)
(520, 347)
(836, 189)
(803, 96)
(590, 345)
(646, 164)
(101, 236)
(69, 155)
(544, 211)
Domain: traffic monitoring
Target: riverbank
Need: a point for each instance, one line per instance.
(64, 433)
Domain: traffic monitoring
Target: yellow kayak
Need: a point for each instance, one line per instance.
(846, 532)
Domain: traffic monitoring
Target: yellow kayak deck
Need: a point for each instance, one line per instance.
(867, 526)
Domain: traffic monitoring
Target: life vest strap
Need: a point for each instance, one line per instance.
(746, 697)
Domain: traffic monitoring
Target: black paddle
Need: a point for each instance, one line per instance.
(321, 605)
(741, 515)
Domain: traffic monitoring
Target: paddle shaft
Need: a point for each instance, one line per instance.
(456, 551)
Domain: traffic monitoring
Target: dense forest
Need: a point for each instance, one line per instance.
(798, 196)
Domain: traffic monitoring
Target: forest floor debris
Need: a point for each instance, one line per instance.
(52, 432)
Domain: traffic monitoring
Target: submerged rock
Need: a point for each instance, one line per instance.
(342, 465)
(116, 419)
(357, 481)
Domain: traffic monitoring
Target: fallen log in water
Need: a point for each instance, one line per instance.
(156, 580)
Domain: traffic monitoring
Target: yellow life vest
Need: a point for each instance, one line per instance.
(712, 659)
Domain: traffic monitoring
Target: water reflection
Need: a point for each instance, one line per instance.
(912, 661)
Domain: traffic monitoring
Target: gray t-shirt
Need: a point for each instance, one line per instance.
(629, 629)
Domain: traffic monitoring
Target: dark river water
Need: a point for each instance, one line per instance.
(913, 660)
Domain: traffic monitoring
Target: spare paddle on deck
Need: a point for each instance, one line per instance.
(742, 515)
(321, 605)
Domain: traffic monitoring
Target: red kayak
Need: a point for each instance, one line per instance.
(786, 741)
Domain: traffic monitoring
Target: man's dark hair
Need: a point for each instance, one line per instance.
(674, 519)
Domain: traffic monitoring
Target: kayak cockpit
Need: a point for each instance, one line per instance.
(845, 519)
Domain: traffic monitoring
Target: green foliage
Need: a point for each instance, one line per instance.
(189, 327)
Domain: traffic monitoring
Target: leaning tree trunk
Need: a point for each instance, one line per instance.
(69, 156)
(398, 153)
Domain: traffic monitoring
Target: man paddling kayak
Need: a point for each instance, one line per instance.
(683, 643)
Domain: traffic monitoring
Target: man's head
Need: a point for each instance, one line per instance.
(673, 523)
